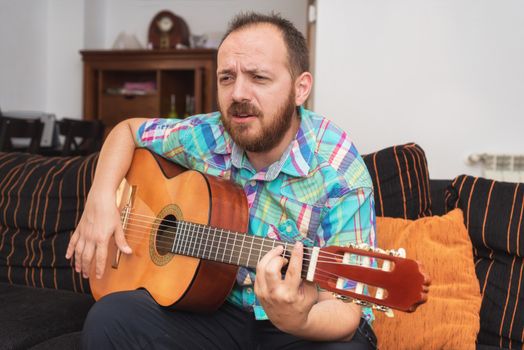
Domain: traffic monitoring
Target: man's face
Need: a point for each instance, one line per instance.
(256, 95)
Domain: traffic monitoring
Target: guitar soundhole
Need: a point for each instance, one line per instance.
(165, 236)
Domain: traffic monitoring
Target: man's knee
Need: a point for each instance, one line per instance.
(111, 317)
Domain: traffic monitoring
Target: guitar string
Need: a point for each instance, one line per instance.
(228, 248)
(140, 235)
(188, 238)
(320, 273)
(188, 225)
(198, 226)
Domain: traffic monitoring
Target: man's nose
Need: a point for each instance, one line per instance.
(241, 90)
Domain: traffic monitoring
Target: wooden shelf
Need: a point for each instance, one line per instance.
(181, 73)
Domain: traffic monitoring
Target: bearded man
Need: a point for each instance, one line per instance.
(304, 181)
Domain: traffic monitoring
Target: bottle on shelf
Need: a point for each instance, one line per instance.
(190, 106)
(172, 109)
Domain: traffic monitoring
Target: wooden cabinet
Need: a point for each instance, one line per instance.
(148, 83)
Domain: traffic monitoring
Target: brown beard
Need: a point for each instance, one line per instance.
(270, 135)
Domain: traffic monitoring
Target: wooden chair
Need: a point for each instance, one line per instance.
(28, 129)
(82, 137)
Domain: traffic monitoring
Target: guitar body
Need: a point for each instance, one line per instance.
(158, 191)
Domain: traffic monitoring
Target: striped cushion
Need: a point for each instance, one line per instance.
(401, 180)
(493, 214)
(41, 200)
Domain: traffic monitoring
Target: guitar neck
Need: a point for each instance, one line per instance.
(209, 243)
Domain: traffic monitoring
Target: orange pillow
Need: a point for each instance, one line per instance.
(450, 317)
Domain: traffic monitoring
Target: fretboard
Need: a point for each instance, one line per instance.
(210, 243)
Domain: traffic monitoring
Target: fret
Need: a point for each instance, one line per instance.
(174, 239)
(260, 250)
(180, 234)
(206, 231)
(213, 244)
(225, 247)
(250, 250)
(197, 241)
(185, 240)
(233, 250)
(241, 248)
(217, 246)
(200, 239)
(192, 238)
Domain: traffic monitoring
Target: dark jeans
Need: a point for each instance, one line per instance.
(132, 320)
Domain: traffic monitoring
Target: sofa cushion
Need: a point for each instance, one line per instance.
(41, 200)
(401, 181)
(493, 214)
(31, 316)
(450, 317)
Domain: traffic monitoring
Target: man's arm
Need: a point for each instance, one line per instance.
(295, 306)
(101, 219)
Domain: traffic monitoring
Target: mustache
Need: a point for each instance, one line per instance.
(237, 108)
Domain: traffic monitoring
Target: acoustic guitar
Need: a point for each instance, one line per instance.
(187, 231)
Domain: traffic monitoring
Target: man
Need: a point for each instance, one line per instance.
(304, 182)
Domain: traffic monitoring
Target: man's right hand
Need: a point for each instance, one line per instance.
(99, 221)
(101, 218)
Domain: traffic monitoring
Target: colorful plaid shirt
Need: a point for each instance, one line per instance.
(319, 192)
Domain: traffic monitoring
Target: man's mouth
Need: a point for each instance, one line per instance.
(243, 115)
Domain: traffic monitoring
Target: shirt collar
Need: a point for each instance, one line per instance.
(295, 160)
(298, 161)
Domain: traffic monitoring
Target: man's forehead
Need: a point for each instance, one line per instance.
(256, 41)
(256, 36)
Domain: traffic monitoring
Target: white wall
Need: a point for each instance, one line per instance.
(447, 74)
(65, 37)
(40, 40)
(201, 16)
(23, 54)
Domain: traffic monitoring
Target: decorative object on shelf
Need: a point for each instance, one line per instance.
(172, 107)
(168, 31)
(125, 41)
(190, 106)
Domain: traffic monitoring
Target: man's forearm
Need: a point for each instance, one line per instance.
(331, 319)
(115, 157)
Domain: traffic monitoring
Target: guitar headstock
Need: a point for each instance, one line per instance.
(392, 281)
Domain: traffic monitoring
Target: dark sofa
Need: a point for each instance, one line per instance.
(43, 302)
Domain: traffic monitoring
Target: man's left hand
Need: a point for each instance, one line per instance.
(287, 301)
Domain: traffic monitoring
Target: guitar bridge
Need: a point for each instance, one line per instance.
(128, 192)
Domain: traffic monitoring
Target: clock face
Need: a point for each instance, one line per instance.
(165, 24)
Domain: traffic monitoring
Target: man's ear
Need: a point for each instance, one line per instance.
(303, 85)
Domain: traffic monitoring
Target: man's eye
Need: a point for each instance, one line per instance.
(259, 77)
(224, 79)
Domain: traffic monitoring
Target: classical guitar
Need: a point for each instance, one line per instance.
(187, 232)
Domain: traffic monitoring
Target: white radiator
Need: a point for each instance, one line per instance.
(500, 167)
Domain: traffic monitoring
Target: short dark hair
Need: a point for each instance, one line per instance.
(297, 51)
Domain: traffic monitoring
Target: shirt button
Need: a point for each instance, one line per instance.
(289, 229)
(249, 290)
(253, 183)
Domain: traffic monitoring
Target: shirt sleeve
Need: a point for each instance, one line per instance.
(165, 137)
(351, 220)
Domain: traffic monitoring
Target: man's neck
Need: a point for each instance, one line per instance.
(261, 160)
